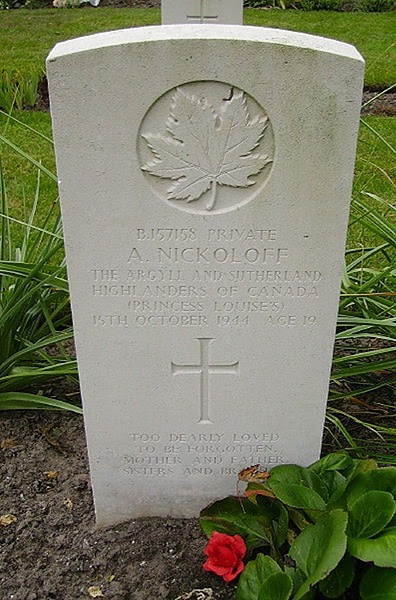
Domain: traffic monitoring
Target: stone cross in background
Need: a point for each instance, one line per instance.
(202, 11)
(204, 15)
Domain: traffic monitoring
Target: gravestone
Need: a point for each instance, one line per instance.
(205, 206)
(202, 11)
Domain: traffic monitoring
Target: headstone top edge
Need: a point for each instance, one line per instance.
(204, 32)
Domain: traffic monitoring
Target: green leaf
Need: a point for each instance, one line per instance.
(278, 586)
(370, 514)
(378, 584)
(294, 474)
(299, 518)
(281, 526)
(340, 579)
(29, 158)
(298, 496)
(383, 479)
(338, 498)
(25, 401)
(319, 548)
(337, 461)
(381, 550)
(296, 576)
(298, 487)
(256, 577)
(253, 576)
(335, 482)
(22, 377)
(239, 516)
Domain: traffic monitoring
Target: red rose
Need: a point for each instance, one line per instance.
(225, 554)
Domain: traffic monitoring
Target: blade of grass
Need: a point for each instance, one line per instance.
(26, 401)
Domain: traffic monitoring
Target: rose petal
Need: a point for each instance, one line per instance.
(224, 555)
(219, 570)
(235, 573)
(239, 545)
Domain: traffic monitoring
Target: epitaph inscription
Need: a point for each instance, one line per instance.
(211, 455)
(212, 278)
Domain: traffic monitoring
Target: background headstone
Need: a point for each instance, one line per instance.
(205, 205)
(202, 11)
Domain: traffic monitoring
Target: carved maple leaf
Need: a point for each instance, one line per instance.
(207, 148)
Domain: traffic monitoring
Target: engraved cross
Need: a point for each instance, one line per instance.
(204, 369)
(202, 17)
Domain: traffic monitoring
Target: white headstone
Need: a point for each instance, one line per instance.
(205, 204)
(202, 11)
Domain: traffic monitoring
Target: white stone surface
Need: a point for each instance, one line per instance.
(202, 11)
(205, 203)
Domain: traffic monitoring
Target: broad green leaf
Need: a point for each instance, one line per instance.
(278, 586)
(370, 514)
(335, 482)
(281, 526)
(364, 466)
(296, 575)
(294, 474)
(319, 548)
(337, 461)
(378, 584)
(338, 498)
(239, 516)
(380, 550)
(298, 487)
(275, 511)
(254, 576)
(339, 580)
(383, 479)
(298, 496)
(299, 518)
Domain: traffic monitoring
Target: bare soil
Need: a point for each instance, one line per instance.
(54, 551)
(384, 105)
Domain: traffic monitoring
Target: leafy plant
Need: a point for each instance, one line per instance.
(315, 531)
(335, 5)
(364, 364)
(283, 4)
(12, 4)
(17, 91)
(376, 5)
(34, 305)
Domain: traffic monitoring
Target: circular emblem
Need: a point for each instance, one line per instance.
(206, 147)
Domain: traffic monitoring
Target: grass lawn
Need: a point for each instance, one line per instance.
(26, 36)
(375, 166)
